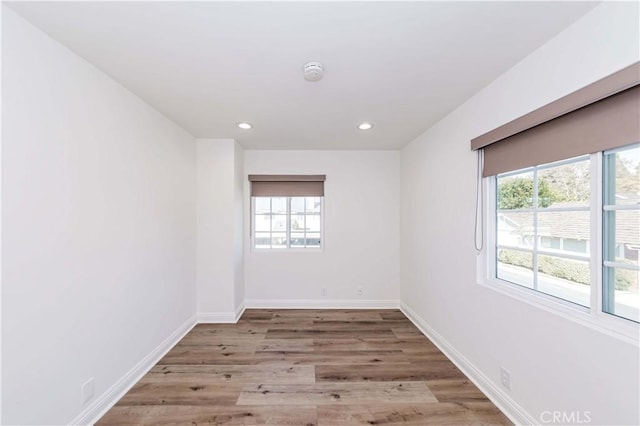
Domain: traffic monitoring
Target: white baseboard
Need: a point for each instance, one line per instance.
(104, 402)
(321, 304)
(221, 317)
(239, 311)
(503, 401)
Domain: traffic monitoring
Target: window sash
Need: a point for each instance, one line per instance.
(287, 231)
(610, 267)
(536, 251)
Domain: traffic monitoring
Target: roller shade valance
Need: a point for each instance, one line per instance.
(287, 185)
(610, 119)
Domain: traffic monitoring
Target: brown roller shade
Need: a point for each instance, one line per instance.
(601, 116)
(606, 124)
(287, 185)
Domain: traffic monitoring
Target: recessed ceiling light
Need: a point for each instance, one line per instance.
(365, 126)
(245, 126)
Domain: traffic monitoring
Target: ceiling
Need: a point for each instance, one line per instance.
(209, 65)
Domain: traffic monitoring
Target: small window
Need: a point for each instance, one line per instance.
(287, 222)
(286, 211)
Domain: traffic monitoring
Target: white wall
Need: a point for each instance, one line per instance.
(98, 198)
(238, 215)
(361, 233)
(555, 363)
(219, 250)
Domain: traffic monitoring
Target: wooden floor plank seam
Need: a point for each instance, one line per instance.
(305, 367)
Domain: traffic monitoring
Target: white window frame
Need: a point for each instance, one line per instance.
(593, 316)
(287, 249)
(615, 207)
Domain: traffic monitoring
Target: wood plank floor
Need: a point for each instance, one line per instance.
(306, 367)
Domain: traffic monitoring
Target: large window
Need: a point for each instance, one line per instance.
(571, 230)
(562, 228)
(287, 222)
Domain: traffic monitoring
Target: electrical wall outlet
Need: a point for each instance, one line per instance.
(360, 291)
(323, 291)
(505, 378)
(87, 390)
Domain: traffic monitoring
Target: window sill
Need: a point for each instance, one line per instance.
(288, 250)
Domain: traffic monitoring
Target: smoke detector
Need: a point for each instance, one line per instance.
(313, 71)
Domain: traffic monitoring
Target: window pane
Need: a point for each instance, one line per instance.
(297, 223)
(262, 223)
(568, 231)
(620, 293)
(262, 240)
(621, 237)
(567, 279)
(625, 225)
(313, 240)
(279, 240)
(297, 205)
(516, 191)
(279, 205)
(313, 204)
(566, 185)
(279, 223)
(313, 223)
(622, 168)
(297, 240)
(262, 205)
(550, 243)
(515, 266)
(515, 229)
(286, 222)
